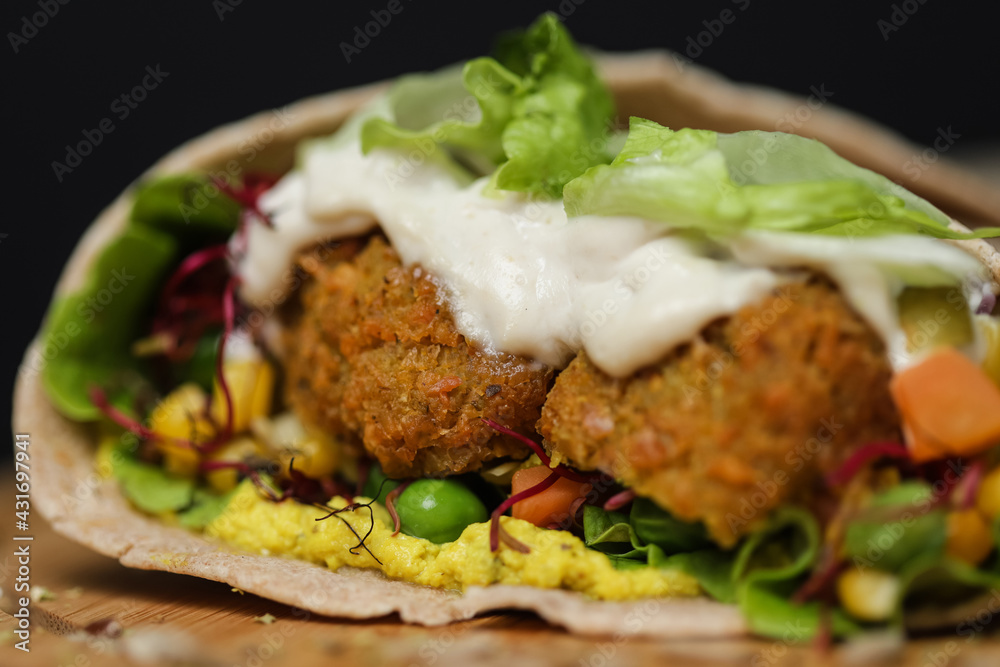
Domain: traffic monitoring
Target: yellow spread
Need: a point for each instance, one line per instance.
(557, 558)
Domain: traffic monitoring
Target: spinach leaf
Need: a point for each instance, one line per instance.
(654, 525)
(899, 526)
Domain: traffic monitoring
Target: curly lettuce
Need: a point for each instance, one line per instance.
(723, 184)
(536, 115)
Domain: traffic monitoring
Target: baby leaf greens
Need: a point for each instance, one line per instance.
(761, 574)
(723, 184)
(97, 323)
(540, 118)
(150, 487)
(91, 329)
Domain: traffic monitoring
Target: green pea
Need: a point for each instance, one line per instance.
(375, 481)
(438, 509)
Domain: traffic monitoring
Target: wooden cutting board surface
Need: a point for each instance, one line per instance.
(171, 619)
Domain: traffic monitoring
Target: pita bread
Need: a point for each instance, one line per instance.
(86, 508)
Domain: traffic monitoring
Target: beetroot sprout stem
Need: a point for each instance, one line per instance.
(101, 402)
(390, 505)
(560, 469)
(497, 532)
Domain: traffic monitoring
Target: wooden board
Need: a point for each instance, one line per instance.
(182, 620)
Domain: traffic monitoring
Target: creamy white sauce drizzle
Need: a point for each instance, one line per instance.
(522, 278)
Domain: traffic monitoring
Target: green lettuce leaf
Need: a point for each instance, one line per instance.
(187, 207)
(541, 115)
(88, 332)
(205, 507)
(149, 487)
(723, 184)
(91, 329)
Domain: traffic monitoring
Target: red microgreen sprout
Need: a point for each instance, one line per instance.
(182, 318)
(821, 581)
(101, 402)
(497, 532)
(968, 486)
(390, 504)
(862, 456)
(560, 469)
(248, 193)
(619, 500)
(823, 641)
(229, 318)
(573, 519)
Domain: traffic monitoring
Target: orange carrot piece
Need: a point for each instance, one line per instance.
(949, 406)
(551, 505)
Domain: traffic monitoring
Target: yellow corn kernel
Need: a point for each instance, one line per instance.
(105, 459)
(179, 459)
(868, 595)
(239, 449)
(179, 419)
(988, 496)
(251, 386)
(969, 537)
(989, 328)
(316, 455)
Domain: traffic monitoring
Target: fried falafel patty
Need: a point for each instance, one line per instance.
(373, 355)
(738, 422)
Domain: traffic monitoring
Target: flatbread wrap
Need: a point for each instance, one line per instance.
(720, 377)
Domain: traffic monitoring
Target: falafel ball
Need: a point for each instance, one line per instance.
(744, 419)
(373, 355)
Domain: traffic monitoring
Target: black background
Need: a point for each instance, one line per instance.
(229, 58)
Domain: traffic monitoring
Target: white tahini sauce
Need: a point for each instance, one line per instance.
(522, 278)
